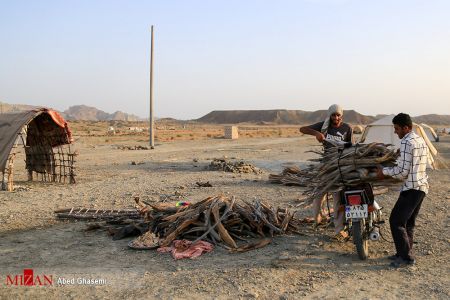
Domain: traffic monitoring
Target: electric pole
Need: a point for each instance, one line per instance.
(152, 133)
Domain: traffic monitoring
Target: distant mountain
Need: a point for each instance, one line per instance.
(77, 112)
(88, 113)
(275, 116)
(279, 116)
(433, 119)
(83, 112)
(10, 108)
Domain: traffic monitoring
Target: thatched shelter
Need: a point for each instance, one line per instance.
(46, 139)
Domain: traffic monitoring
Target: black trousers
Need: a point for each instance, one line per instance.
(403, 220)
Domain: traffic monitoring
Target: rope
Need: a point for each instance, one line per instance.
(354, 159)
(339, 166)
(328, 206)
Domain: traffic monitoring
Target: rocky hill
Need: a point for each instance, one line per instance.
(88, 113)
(275, 117)
(10, 108)
(433, 119)
(279, 117)
(77, 112)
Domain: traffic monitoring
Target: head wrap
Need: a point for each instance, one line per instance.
(335, 108)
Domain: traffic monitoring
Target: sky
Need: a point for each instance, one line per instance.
(376, 57)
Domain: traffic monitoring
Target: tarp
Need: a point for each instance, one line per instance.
(431, 134)
(382, 131)
(12, 123)
(358, 129)
(10, 126)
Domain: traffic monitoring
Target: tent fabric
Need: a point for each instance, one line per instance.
(358, 129)
(10, 126)
(431, 134)
(12, 123)
(382, 131)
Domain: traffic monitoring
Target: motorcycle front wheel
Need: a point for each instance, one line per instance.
(360, 239)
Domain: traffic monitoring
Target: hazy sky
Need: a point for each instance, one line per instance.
(380, 56)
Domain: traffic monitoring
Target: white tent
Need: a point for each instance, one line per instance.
(358, 129)
(431, 134)
(382, 131)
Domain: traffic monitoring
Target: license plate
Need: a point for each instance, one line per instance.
(356, 211)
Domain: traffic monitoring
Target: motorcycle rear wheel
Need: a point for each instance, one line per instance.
(360, 239)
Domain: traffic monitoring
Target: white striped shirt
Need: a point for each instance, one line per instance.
(411, 164)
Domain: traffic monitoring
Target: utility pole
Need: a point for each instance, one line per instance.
(152, 133)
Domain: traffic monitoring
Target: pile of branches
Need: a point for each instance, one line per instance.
(135, 147)
(119, 223)
(221, 221)
(234, 167)
(352, 166)
(293, 175)
(236, 225)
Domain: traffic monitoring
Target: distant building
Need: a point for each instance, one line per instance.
(231, 132)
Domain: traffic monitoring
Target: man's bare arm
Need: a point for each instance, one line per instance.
(307, 130)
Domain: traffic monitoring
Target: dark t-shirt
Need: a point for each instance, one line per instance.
(342, 133)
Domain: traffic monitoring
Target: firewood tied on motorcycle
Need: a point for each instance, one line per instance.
(220, 220)
(351, 166)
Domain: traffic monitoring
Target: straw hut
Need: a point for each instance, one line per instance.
(45, 138)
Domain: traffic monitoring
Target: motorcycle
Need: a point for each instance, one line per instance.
(362, 217)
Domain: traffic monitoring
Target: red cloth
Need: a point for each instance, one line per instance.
(59, 120)
(185, 249)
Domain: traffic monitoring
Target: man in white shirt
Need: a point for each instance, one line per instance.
(411, 167)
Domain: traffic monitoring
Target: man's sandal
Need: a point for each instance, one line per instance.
(341, 236)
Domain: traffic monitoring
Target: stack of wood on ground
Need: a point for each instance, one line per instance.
(222, 221)
(233, 166)
(341, 167)
(135, 147)
(236, 225)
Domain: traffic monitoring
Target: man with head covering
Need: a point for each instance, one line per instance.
(327, 132)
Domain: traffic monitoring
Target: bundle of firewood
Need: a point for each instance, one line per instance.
(219, 220)
(340, 167)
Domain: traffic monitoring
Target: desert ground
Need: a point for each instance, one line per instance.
(310, 265)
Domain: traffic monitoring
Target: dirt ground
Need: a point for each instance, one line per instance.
(310, 265)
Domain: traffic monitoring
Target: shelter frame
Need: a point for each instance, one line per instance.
(46, 140)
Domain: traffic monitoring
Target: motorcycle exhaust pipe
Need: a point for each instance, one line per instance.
(375, 234)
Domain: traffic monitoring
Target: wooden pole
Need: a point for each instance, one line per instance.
(152, 134)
